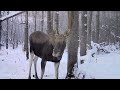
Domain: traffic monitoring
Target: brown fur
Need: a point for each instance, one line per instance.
(48, 47)
(42, 44)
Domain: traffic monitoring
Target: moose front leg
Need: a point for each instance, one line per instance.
(30, 64)
(56, 64)
(43, 64)
(35, 66)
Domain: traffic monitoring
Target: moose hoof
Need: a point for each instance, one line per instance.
(36, 77)
(29, 77)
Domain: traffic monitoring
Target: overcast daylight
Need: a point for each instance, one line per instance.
(59, 45)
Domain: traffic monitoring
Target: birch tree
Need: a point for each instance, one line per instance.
(89, 21)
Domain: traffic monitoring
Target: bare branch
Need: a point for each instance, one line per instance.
(11, 15)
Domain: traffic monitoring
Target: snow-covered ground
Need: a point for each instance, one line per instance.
(105, 67)
(13, 65)
(102, 66)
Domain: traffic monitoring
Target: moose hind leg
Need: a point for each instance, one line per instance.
(43, 64)
(30, 64)
(56, 69)
(35, 66)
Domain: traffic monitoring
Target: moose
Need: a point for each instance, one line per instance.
(48, 47)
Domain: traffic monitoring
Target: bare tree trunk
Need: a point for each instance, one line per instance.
(104, 21)
(26, 36)
(73, 25)
(35, 17)
(7, 32)
(89, 28)
(49, 22)
(97, 26)
(42, 22)
(117, 26)
(83, 34)
(52, 19)
(12, 34)
(0, 28)
(108, 31)
(108, 36)
(57, 21)
(17, 34)
(69, 20)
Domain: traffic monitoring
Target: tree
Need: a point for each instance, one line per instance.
(57, 21)
(83, 34)
(117, 26)
(26, 36)
(0, 28)
(89, 20)
(42, 22)
(17, 33)
(7, 31)
(13, 31)
(97, 26)
(35, 17)
(73, 24)
(108, 29)
(52, 20)
(49, 22)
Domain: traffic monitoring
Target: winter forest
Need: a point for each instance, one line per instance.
(91, 49)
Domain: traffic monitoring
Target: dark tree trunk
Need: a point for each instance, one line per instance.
(117, 26)
(17, 34)
(13, 34)
(26, 35)
(49, 22)
(73, 25)
(69, 20)
(83, 34)
(35, 19)
(52, 20)
(7, 32)
(0, 28)
(42, 22)
(97, 26)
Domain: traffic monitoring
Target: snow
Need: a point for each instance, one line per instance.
(106, 67)
(13, 65)
(102, 66)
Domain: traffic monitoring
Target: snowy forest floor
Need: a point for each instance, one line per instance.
(13, 65)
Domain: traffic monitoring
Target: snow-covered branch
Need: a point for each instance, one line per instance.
(10, 15)
(115, 35)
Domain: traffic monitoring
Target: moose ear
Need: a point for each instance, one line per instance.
(67, 33)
